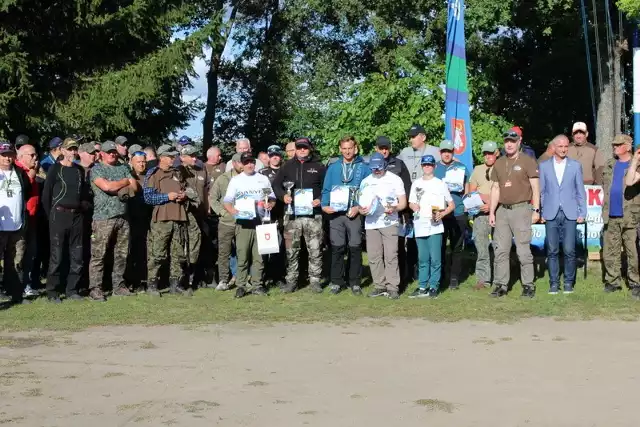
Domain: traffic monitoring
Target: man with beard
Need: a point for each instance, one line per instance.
(307, 174)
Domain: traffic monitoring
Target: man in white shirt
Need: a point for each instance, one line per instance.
(383, 196)
(14, 190)
(244, 200)
(243, 145)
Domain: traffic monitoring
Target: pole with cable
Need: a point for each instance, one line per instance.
(636, 85)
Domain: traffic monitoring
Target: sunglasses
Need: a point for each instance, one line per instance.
(510, 134)
(139, 153)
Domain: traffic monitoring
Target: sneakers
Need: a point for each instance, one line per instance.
(29, 292)
(334, 289)
(432, 293)
(454, 285)
(316, 287)
(288, 288)
(568, 289)
(553, 290)
(259, 290)
(121, 292)
(222, 286)
(240, 292)
(152, 290)
(528, 292)
(356, 290)
(608, 288)
(419, 293)
(498, 292)
(96, 295)
(378, 293)
(393, 295)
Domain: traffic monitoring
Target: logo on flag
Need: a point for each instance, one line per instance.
(459, 136)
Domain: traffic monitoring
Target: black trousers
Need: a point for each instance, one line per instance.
(454, 228)
(66, 230)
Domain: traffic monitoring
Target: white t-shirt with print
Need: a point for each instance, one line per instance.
(434, 192)
(387, 189)
(248, 186)
(10, 201)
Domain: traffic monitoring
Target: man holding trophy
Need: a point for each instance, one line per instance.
(249, 198)
(339, 201)
(382, 196)
(299, 185)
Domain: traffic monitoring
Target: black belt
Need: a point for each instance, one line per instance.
(514, 205)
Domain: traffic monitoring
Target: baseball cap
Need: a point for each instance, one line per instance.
(87, 147)
(377, 162)
(121, 140)
(446, 145)
(69, 142)
(383, 142)
(416, 130)
(108, 146)
(134, 148)
(237, 157)
(621, 139)
(166, 150)
(55, 142)
(247, 157)
(489, 147)
(427, 159)
(579, 127)
(274, 150)
(6, 147)
(303, 143)
(22, 140)
(189, 150)
(184, 140)
(513, 134)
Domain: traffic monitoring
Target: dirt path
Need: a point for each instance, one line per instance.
(403, 373)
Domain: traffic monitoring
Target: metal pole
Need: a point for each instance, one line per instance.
(636, 84)
(584, 249)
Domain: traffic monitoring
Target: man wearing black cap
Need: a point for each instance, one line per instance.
(245, 199)
(65, 199)
(21, 140)
(275, 162)
(15, 190)
(306, 172)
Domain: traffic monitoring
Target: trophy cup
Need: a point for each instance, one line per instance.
(389, 200)
(288, 185)
(267, 213)
(354, 195)
(419, 194)
(434, 211)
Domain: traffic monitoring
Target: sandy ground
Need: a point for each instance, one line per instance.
(373, 373)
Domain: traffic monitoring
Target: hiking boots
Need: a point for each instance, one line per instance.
(175, 287)
(240, 292)
(121, 292)
(316, 287)
(288, 288)
(152, 289)
(96, 295)
(609, 288)
(498, 292)
(378, 293)
(528, 292)
(259, 290)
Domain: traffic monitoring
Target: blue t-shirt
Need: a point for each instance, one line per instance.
(617, 188)
(455, 170)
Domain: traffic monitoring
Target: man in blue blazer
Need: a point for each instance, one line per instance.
(564, 204)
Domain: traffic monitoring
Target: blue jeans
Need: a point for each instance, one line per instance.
(429, 261)
(561, 225)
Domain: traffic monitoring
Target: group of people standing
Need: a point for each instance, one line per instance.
(121, 218)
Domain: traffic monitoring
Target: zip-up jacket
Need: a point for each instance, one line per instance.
(334, 177)
(303, 174)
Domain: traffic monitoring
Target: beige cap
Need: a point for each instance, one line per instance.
(579, 126)
(622, 139)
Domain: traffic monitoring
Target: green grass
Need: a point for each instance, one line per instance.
(209, 306)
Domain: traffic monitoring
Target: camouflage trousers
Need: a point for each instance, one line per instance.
(616, 235)
(311, 229)
(11, 253)
(194, 238)
(109, 236)
(168, 240)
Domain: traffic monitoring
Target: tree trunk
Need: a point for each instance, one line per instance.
(215, 61)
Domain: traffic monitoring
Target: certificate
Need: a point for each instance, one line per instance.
(339, 198)
(454, 178)
(246, 207)
(472, 201)
(303, 201)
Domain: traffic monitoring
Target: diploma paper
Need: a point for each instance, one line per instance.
(303, 201)
(454, 178)
(246, 208)
(339, 198)
(472, 201)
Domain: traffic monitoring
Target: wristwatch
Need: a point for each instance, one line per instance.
(536, 210)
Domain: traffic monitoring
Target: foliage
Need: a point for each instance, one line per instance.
(630, 7)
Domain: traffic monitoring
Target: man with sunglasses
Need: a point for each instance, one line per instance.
(515, 189)
(480, 181)
(456, 176)
(110, 226)
(589, 156)
(65, 200)
(27, 160)
(516, 133)
(121, 146)
(248, 186)
(306, 172)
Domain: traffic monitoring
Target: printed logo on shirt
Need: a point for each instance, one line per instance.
(517, 168)
(312, 170)
(200, 178)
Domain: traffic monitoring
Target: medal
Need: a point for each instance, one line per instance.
(414, 175)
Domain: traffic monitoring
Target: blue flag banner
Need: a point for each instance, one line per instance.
(457, 120)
